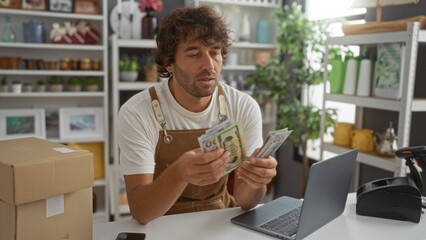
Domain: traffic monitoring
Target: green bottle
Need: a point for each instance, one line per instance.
(7, 35)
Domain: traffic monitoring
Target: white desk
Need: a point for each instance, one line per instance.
(216, 225)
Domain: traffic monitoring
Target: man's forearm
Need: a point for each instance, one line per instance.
(246, 196)
(150, 201)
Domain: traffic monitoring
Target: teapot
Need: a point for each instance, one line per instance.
(387, 144)
(363, 140)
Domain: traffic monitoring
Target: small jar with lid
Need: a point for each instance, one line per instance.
(96, 64)
(75, 64)
(65, 64)
(85, 64)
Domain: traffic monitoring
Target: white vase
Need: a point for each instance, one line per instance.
(17, 88)
(245, 29)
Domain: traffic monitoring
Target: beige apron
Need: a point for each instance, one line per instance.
(171, 145)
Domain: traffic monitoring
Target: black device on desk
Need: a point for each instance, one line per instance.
(396, 198)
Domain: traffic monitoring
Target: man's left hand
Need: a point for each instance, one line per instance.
(257, 172)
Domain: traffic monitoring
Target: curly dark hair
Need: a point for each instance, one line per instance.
(203, 23)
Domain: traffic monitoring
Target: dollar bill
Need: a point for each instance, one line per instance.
(274, 140)
(232, 139)
(207, 142)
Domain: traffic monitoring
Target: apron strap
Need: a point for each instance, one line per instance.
(160, 116)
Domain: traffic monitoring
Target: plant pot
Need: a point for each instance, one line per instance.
(74, 88)
(27, 88)
(56, 87)
(41, 88)
(128, 76)
(151, 74)
(17, 88)
(92, 87)
(3, 88)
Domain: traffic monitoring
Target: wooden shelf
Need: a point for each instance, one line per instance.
(370, 158)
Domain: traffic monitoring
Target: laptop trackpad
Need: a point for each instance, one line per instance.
(262, 214)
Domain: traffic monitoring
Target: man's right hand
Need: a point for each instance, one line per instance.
(200, 168)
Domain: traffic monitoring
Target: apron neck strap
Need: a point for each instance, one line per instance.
(159, 113)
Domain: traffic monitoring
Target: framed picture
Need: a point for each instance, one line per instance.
(20, 123)
(33, 5)
(81, 123)
(86, 6)
(61, 6)
(9, 3)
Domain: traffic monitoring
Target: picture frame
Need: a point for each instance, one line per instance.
(81, 123)
(65, 6)
(38, 5)
(20, 123)
(86, 6)
(9, 4)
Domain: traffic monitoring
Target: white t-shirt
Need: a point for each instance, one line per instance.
(138, 129)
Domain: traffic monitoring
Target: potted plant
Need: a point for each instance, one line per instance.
(55, 83)
(148, 66)
(41, 85)
(3, 84)
(92, 84)
(16, 86)
(290, 73)
(74, 84)
(129, 69)
(28, 87)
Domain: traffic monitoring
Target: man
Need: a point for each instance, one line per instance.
(165, 170)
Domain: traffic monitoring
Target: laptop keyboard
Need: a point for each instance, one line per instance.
(285, 224)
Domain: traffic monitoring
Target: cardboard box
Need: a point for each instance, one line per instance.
(45, 190)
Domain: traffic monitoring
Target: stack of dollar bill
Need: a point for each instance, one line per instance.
(230, 137)
(273, 142)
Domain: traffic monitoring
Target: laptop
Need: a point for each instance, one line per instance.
(325, 199)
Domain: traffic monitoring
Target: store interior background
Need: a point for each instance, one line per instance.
(290, 167)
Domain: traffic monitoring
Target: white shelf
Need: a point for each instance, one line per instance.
(375, 38)
(53, 94)
(47, 14)
(130, 86)
(250, 45)
(136, 43)
(419, 105)
(99, 182)
(78, 140)
(252, 3)
(24, 72)
(370, 159)
(84, 47)
(239, 68)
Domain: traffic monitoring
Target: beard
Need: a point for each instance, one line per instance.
(194, 86)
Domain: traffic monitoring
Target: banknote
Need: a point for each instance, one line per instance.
(273, 142)
(232, 139)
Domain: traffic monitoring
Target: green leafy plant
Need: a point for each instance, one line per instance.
(16, 82)
(297, 66)
(41, 82)
(75, 81)
(28, 84)
(3, 81)
(55, 80)
(91, 81)
(127, 64)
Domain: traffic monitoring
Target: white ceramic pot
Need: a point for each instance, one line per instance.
(129, 76)
(17, 88)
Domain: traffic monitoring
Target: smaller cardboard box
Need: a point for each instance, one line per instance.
(45, 190)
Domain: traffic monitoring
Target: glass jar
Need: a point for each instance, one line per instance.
(85, 64)
(75, 64)
(65, 64)
(96, 64)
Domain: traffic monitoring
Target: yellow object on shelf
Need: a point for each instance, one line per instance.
(97, 148)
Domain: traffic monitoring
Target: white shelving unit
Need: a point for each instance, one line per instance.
(53, 101)
(404, 107)
(118, 87)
